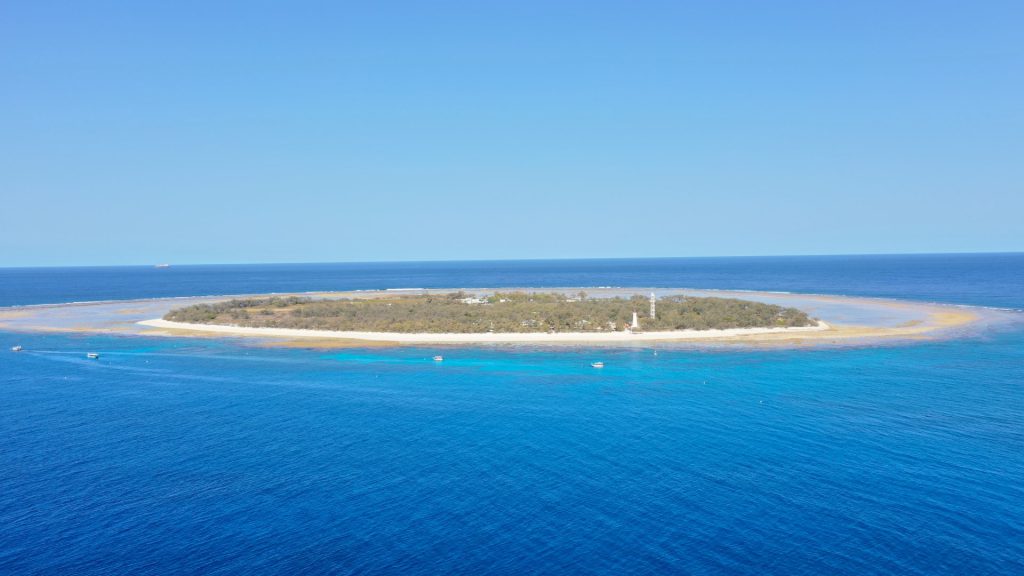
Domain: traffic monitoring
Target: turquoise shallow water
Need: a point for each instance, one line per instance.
(206, 457)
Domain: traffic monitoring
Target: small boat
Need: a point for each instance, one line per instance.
(92, 355)
(438, 358)
(16, 349)
(162, 266)
(597, 364)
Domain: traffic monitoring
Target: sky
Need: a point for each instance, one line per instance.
(217, 132)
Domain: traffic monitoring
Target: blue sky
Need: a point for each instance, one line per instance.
(194, 132)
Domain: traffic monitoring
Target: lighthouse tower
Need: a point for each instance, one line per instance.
(636, 322)
(652, 305)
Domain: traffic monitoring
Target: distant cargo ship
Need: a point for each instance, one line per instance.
(162, 266)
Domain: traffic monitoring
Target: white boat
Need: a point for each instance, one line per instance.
(597, 364)
(16, 349)
(162, 266)
(92, 355)
(438, 358)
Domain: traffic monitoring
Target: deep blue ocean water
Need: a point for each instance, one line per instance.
(213, 457)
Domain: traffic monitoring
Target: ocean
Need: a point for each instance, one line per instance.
(202, 456)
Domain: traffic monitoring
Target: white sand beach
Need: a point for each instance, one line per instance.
(483, 338)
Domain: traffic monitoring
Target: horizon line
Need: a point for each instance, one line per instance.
(479, 260)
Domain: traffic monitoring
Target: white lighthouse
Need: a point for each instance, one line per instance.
(636, 322)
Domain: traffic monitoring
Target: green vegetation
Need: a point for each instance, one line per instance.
(501, 312)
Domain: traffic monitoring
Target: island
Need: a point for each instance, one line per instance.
(501, 312)
(571, 316)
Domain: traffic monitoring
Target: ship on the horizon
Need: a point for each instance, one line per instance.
(162, 266)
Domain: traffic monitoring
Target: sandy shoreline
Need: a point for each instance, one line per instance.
(483, 338)
(846, 321)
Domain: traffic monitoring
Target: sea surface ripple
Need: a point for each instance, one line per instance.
(214, 457)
